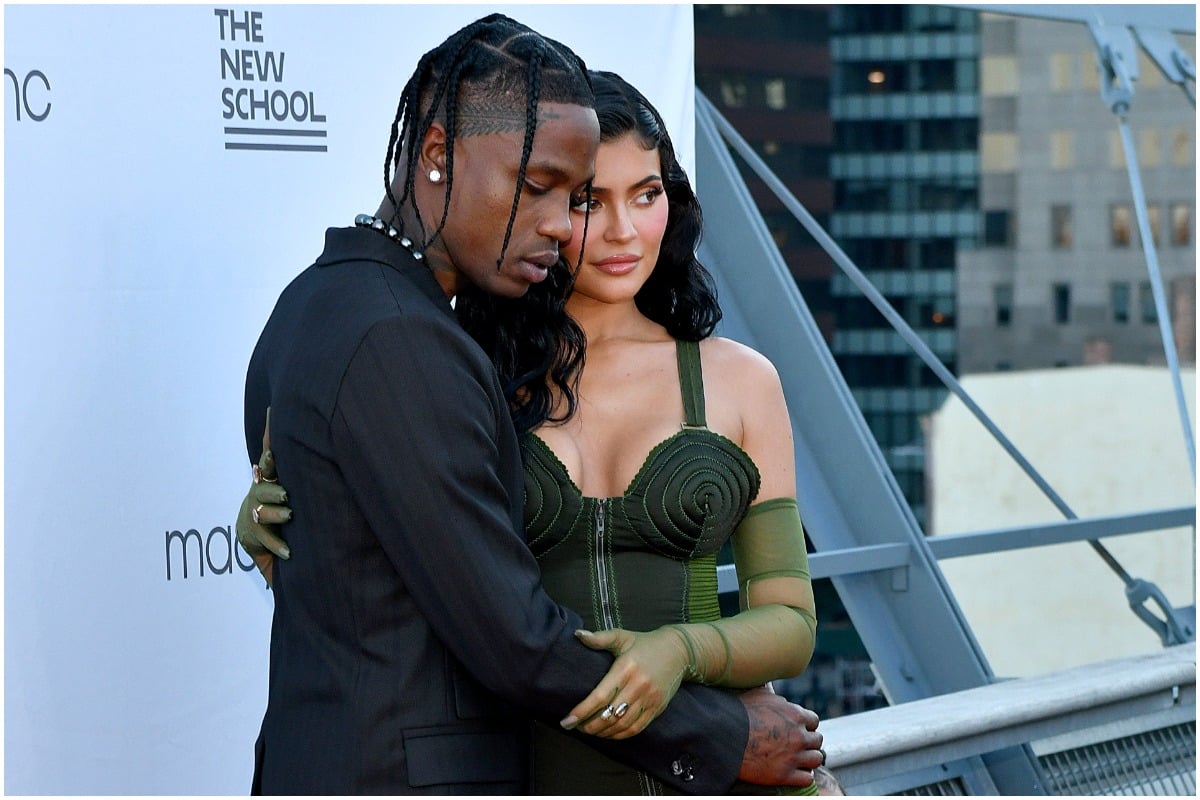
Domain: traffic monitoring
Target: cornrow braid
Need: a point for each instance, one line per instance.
(531, 102)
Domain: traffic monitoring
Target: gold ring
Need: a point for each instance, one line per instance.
(260, 478)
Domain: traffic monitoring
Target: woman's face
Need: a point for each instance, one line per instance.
(486, 168)
(628, 216)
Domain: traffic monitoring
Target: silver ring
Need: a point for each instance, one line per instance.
(607, 713)
(621, 709)
(821, 750)
(254, 516)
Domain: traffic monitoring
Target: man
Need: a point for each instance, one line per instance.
(411, 637)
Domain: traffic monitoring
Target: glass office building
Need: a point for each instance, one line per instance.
(905, 107)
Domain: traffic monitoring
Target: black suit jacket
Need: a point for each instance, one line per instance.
(411, 635)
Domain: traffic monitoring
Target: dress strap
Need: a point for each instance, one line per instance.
(691, 383)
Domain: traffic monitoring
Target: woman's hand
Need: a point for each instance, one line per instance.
(638, 686)
(262, 512)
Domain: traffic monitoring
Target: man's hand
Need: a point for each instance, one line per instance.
(262, 512)
(783, 747)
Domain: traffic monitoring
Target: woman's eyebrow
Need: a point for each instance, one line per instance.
(651, 178)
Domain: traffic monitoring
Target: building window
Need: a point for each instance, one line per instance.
(872, 77)
(1181, 224)
(1060, 72)
(733, 92)
(1119, 293)
(935, 312)
(998, 76)
(936, 253)
(1146, 302)
(1060, 227)
(1089, 70)
(936, 75)
(776, 93)
(948, 134)
(1181, 147)
(1062, 149)
(864, 195)
(997, 231)
(998, 152)
(1150, 148)
(947, 195)
(1154, 217)
(871, 136)
(1061, 297)
(1003, 294)
(1120, 224)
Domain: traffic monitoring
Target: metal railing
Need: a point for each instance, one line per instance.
(1125, 726)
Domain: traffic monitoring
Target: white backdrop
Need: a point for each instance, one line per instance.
(141, 258)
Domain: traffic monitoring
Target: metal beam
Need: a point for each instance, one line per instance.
(1076, 530)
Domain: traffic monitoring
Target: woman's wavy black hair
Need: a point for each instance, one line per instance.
(679, 294)
(536, 347)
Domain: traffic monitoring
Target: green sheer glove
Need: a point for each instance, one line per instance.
(772, 637)
(750, 648)
(639, 685)
(262, 512)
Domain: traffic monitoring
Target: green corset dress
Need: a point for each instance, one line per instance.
(638, 561)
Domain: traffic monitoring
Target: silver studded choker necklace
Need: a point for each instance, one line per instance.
(378, 225)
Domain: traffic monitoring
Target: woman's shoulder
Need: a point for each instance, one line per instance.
(732, 363)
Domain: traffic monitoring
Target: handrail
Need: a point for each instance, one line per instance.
(889, 741)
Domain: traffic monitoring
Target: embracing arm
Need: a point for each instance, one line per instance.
(418, 429)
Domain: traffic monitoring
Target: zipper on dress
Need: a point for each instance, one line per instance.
(606, 615)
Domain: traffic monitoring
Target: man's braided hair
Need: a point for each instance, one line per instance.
(491, 68)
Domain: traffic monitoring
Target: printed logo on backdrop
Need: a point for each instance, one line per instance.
(31, 94)
(190, 553)
(262, 111)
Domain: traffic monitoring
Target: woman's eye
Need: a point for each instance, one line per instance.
(584, 203)
(650, 195)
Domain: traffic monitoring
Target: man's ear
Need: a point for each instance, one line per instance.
(433, 150)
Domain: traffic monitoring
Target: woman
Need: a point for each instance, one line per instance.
(642, 463)
(678, 441)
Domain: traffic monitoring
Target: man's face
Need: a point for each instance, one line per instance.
(486, 171)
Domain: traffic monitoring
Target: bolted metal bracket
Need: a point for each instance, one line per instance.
(1171, 628)
(1116, 58)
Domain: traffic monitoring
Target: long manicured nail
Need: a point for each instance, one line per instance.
(569, 722)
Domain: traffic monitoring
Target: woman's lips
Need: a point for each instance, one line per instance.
(617, 265)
